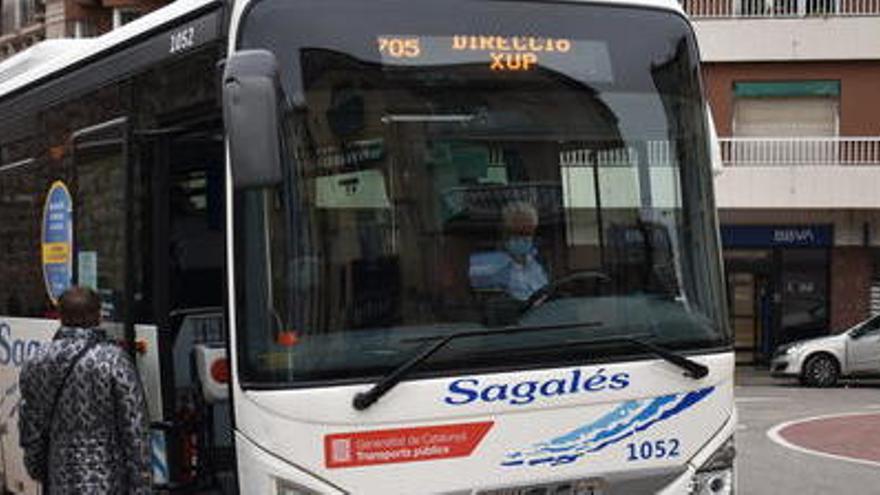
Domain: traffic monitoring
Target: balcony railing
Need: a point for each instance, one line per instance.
(657, 153)
(779, 8)
(800, 151)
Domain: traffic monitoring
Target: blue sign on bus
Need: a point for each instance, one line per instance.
(57, 240)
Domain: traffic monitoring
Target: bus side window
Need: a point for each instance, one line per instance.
(22, 194)
(99, 168)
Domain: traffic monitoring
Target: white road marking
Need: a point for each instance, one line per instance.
(773, 435)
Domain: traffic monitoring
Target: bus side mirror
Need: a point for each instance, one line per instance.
(251, 109)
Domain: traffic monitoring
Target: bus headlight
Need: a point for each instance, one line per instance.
(716, 476)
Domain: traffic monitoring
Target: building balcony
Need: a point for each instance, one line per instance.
(786, 30)
(797, 173)
(786, 9)
(16, 36)
(24, 30)
(736, 152)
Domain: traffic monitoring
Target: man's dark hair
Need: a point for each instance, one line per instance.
(80, 307)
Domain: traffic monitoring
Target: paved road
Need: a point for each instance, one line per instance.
(827, 454)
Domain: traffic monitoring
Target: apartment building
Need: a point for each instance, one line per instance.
(26, 22)
(794, 87)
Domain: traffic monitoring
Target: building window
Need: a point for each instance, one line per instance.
(27, 12)
(786, 109)
(23, 189)
(122, 16)
(7, 16)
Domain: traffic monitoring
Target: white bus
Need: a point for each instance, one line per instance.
(458, 247)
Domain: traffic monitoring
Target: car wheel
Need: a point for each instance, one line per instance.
(820, 371)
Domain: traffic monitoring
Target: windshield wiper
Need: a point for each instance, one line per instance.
(363, 400)
(692, 368)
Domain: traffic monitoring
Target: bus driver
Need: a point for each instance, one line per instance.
(514, 268)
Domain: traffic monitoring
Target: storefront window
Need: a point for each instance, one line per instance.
(804, 288)
(777, 281)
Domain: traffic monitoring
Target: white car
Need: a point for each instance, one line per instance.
(821, 361)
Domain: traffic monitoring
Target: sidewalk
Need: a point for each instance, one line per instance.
(749, 375)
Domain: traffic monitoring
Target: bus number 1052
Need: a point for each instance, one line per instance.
(657, 449)
(183, 39)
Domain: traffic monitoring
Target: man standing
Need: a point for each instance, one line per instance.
(83, 418)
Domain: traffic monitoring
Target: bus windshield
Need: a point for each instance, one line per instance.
(501, 169)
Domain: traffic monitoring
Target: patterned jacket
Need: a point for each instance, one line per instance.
(99, 434)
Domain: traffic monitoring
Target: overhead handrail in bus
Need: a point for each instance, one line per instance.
(100, 143)
(6, 167)
(363, 400)
(209, 122)
(98, 127)
(410, 118)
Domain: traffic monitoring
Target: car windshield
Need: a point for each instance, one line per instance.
(442, 177)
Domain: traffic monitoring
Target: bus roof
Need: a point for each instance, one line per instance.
(49, 57)
(38, 55)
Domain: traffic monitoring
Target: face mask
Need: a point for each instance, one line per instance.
(519, 246)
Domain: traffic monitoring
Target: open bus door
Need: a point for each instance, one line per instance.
(193, 437)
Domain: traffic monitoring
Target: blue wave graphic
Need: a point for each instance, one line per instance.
(622, 422)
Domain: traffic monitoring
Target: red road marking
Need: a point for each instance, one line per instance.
(853, 436)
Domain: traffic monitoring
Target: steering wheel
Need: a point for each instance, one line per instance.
(551, 290)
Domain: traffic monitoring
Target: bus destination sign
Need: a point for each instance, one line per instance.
(499, 53)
